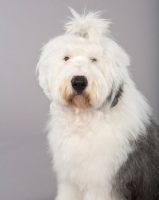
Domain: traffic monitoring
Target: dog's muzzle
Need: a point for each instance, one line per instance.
(79, 83)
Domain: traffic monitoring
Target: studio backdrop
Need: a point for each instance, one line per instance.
(25, 164)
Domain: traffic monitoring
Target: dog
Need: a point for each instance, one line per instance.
(102, 137)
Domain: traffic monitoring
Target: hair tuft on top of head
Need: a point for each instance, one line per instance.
(88, 23)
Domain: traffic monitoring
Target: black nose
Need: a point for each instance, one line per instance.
(79, 83)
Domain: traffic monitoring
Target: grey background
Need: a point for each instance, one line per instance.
(25, 166)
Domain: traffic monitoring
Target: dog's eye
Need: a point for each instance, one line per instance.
(66, 58)
(93, 59)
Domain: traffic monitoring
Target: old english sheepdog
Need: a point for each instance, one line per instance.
(103, 140)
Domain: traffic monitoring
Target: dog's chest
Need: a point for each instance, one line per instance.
(90, 155)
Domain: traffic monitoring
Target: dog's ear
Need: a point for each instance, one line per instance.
(117, 61)
(43, 72)
(116, 54)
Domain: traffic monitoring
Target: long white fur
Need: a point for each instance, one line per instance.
(89, 145)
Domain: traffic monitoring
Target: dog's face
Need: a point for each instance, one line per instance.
(75, 71)
(78, 77)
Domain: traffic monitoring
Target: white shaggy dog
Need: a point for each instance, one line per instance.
(102, 137)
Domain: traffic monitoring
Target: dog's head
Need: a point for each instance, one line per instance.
(83, 67)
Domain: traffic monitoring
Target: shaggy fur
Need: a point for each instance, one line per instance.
(138, 177)
(104, 144)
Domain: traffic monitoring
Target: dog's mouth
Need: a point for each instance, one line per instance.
(79, 100)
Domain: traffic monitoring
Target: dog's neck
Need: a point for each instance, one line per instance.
(71, 112)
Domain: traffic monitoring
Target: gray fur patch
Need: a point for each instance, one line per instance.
(138, 177)
(118, 95)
